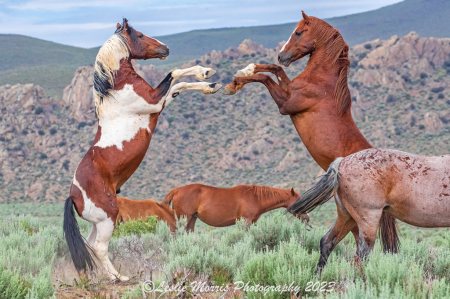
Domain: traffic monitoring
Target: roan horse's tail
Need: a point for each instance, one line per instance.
(169, 197)
(81, 253)
(323, 190)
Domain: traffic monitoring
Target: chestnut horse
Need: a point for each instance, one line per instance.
(222, 206)
(412, 188)
(127, 109)
(318, 100)
(135, 209)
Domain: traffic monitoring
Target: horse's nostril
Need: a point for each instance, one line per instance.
(279, 58)
(212, 85)
(207, 72)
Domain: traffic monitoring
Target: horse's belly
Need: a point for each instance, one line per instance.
(423, 210)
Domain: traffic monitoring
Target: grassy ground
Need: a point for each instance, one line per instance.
(275, 251)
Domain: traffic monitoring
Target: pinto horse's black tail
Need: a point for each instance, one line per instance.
(320, 193)
(81, 253)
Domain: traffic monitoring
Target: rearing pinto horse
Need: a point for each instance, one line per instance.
(128, 109)
(318, 100)
(221, 207)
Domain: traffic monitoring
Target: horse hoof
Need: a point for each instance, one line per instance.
(209, 73)
(123, 278)
(214, 88)
(228, 92)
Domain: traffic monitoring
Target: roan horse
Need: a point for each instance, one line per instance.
(318, 100)
(128, 109)
(412, 188)
(222, 206)
(135, 209)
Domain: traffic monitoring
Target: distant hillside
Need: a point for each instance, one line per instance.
(51, 65)
(30, 60)
(399, 101)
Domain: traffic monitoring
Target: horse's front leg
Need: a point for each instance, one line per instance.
(279, 95)
(200, 73)
(204, 87)
(278, 71)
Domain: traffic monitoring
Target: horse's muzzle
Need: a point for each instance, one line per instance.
(284, 59)
(164, 53)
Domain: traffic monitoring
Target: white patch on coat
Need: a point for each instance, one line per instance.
(90, 213)
(124, 114)
(248, 71)
(157, 41)
(282, 49)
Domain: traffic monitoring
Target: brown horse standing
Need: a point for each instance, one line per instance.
(128, 109)
(412, 188)
(318, 100)
(135, 209)
(222, 206)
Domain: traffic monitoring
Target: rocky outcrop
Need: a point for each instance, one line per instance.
(79, 94)
(394, 62)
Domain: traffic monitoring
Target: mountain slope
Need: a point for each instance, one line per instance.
(51, 65)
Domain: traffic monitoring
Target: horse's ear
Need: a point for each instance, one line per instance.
(292, 191)
(305, 17)
(125, 24)
(118, 26)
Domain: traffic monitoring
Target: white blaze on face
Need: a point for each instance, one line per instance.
(163, 44)
(282, 49)
(124, 113)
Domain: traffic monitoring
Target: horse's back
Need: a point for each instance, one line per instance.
(413, 188)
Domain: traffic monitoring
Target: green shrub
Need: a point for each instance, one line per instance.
(136, 227)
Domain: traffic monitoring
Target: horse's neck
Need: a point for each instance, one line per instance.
(326, 133)
(272, 203)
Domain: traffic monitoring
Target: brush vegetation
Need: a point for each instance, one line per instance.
(277, 250)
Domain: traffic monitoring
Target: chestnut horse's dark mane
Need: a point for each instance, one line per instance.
(264, 192)
(336, 56)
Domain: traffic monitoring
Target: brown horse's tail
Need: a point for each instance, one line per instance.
(169, 197)
(320, 193)
(388, 233)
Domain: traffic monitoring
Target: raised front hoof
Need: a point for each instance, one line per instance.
(205, 73)
(228, 91)
(240, 73)
(212, 88)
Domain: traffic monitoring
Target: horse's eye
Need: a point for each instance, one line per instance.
(141, 36)
(298, 33)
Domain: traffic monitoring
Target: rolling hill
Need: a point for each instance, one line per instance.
(51, 65)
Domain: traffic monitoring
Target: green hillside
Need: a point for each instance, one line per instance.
(51, 65)
(30, 60)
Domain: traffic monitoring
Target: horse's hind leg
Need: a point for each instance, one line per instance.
(191, 223)
(92, 236)
(104, 232)
(344, 224)
(368, 226)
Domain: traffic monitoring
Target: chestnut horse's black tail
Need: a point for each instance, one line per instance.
(388, 233)
(81, 253)
(320, 193)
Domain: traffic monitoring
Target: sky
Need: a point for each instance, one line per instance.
(89, 23)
